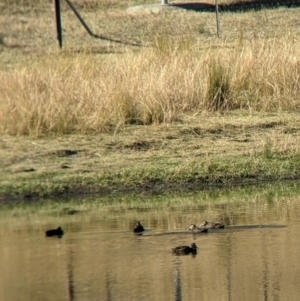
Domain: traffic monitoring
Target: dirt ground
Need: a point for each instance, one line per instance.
(53, 164)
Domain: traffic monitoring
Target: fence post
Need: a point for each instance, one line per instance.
(164, 2)
(58, 21)
(217, 18)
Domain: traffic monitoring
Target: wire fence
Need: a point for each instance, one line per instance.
(197, 6)
(114, 28)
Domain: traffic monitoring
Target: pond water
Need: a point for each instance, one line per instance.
(256, 256)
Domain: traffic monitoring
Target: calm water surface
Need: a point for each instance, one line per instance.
(256, 257)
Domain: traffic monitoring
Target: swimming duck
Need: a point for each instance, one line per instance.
(55, 232)
(211, 225)
(196, 229)
(185, 250)
(138, 228)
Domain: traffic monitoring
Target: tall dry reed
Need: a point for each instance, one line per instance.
(95, 93)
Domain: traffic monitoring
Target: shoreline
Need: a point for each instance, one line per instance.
(217, 151)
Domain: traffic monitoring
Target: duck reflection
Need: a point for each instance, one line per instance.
(181, 250)
(177, 280)
(108, 289)
(71, 287)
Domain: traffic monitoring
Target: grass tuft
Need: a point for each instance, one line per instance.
(218, 87)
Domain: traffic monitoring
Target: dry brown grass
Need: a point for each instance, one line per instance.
(157, 84)
(93, 85)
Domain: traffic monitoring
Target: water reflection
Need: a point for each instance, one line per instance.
(229, 266)
(71, 287)
(100, 258)
(177, 280)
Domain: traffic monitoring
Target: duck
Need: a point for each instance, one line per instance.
(55, 232)
(185, 250)
(196, 229)
(211, 225)
(138, 228)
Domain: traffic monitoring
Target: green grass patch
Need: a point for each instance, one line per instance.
(228, 171)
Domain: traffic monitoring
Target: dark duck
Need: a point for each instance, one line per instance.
(211, 225)
(138, 228)
(55, 232)
(185, 250)
(195, 229)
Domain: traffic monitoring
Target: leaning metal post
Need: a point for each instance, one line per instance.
(80, 19)
(59, 29)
